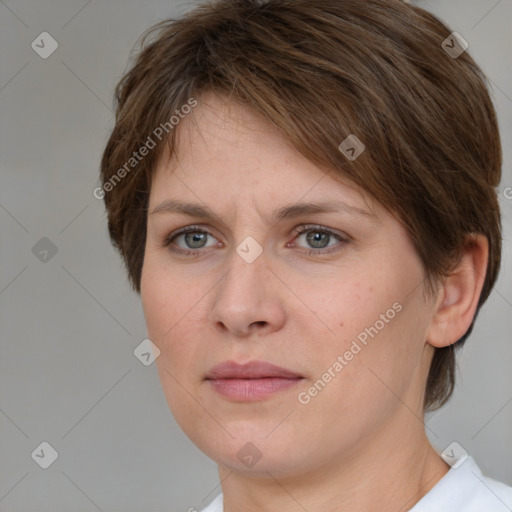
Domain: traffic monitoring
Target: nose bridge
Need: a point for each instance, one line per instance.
(244, 295)
(245, 274)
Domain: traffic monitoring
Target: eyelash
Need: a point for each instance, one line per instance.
(299, 231)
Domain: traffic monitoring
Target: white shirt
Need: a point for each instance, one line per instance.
(462, 489)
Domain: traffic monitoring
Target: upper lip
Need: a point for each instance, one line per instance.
(250, 370)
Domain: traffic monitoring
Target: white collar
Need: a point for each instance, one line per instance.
(465, 489)
(462, 489)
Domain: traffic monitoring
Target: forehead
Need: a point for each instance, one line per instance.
(225, 150)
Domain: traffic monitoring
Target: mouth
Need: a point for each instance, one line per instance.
(252, 381)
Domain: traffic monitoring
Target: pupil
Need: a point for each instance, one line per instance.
(196, 237)
(316, 237)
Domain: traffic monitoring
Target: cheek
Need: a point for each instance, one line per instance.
(168, 314)
(350, 307)
(372, 331)
(163, 304)
(171, 310)
(157, 308)
(355, 384)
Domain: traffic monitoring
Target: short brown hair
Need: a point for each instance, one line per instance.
(320, 70)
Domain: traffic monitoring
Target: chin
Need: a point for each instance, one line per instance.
(252, 450)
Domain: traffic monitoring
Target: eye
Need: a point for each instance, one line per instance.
(194, 239)
(318, 237)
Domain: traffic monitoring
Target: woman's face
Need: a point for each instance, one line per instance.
(339, 306)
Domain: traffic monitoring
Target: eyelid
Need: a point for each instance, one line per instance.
(322, 229)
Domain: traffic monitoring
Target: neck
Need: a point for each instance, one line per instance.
(390, 472)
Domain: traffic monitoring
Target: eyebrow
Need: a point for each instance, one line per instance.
(286, 212)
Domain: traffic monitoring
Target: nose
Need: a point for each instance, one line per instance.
(248, 299)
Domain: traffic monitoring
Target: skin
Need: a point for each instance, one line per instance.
(360, 443)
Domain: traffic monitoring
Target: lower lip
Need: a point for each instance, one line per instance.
(247, 390)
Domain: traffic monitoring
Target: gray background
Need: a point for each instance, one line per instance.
(69, 325)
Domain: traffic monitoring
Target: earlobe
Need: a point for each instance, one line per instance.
(459, 294)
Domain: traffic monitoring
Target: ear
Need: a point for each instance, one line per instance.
(458, 297)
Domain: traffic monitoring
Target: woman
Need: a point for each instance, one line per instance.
(302, 200)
